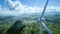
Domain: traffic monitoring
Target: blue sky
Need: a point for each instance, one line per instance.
(27, 5)
(39, 3)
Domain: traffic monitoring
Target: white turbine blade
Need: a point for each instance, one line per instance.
(46, 28)
(41, 28)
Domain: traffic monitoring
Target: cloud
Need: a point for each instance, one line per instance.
(17, 5)
(11, 4)
(18, 8)
(53, 8)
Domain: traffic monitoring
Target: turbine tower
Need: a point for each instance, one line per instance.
(42, 23)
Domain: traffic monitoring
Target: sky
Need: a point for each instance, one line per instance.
(21, 6)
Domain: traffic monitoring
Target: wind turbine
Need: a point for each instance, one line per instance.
(42, 23)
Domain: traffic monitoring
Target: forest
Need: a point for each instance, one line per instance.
(28, 24)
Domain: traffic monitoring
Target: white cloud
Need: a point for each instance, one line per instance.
(17, 5)
(53, 8)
